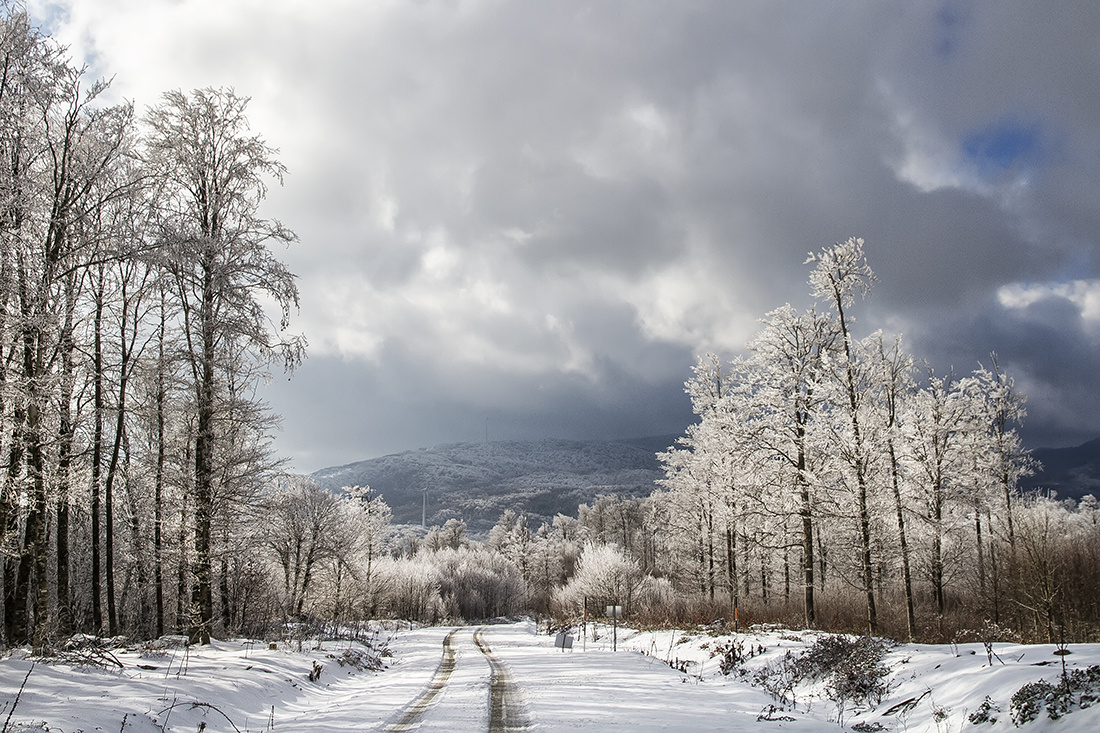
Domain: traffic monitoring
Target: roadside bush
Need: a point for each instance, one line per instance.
(779, 678)
(1078, 688)
(733, 656)
(850, 667)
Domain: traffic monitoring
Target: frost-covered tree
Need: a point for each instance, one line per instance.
(212, 174)
(840, 274)
(370, 518)
(452, 534)
(892, 370)
(939, 417)
(304, 527)
(1006, 460)
(605, 576)
(820, 447)
(546, 566)
(477, 583)
(410, 589)
(786, 400)
(697, 478)
(58, 142)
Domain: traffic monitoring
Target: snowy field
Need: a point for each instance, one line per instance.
(506, 677)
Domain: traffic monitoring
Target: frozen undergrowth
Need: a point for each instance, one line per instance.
(869, 685)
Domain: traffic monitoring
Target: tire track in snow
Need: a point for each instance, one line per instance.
(506, 709)
(410, 715)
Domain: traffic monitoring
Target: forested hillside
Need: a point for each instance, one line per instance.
(1071, 473)
(476, 482)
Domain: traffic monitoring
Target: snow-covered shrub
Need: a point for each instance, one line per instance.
(779, 678)
(733, 656)
(477, 583)
(985, 713)
(989, 634)
(850, 667)
(362, 658)
(410, 589)
(605, 575)
(1078, 688)
(655, 595)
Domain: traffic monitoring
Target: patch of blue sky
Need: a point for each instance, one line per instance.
(48, 16)
(1003, 147)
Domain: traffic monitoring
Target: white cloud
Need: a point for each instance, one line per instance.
(1084, 294)
(929, 157)
(567, 190)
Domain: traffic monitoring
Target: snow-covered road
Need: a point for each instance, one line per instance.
(508, 678)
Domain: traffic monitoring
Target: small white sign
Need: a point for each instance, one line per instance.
(615, 611)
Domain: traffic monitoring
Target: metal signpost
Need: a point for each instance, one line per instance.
(614, 612)
(584, 627)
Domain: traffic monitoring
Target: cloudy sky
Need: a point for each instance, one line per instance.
(524, 219)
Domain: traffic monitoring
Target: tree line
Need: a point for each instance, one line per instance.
(822, 462)
(140, 304)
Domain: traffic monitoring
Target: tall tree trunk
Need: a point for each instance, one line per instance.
(786, 574)
(223, 591)
(981, 554)
(859, 465)
(903, 542)
(40, 536)
(202, 598)
(937, 550)
(731, 566)
(763, 578)
(109, 535)
(710, 554)
(805, 512)
(158, 478)
(822, 562)
(64, 468)
(35, 546)
(65, 436)
(124, 369)
(183, 569)
(97, 455)
(865, 558)
(144, 621)
(10, 508)
(35, 553)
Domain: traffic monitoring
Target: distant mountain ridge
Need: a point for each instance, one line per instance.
(1069, 472)
(476, 482)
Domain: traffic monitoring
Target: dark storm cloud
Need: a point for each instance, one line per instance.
(359, 402)
(538, 212)
(1048, 347)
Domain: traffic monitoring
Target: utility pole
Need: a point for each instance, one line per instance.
(424, 510)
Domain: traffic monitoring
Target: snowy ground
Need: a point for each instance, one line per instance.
(516, 680)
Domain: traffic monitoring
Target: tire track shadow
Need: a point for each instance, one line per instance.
(409, 716)
(506, 709)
